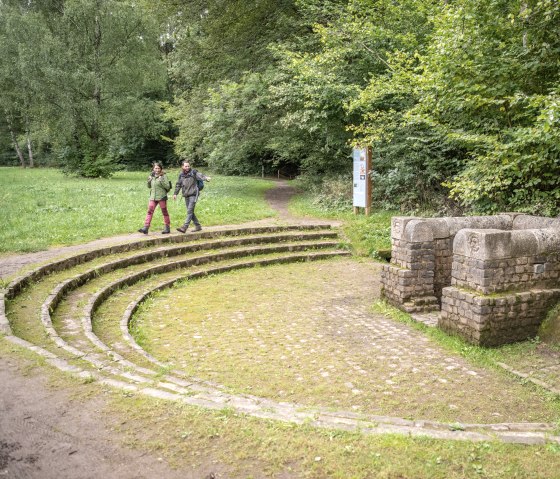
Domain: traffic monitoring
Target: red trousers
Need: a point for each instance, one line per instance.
(152, 207)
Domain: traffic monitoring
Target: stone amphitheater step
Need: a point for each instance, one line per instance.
(63, 287)
(81, 349)
(159, 250)
(77, 344)
(145, 243)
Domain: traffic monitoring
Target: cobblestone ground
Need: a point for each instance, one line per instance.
(307, 334)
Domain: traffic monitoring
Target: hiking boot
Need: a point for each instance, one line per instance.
(197, 228)
(166, 230)
(144, 230)
(182, 229)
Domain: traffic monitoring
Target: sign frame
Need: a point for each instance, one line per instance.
(361, 179)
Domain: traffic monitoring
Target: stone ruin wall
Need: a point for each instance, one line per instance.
(493, 277)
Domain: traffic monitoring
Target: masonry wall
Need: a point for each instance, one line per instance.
(510, 274)
(503, 284)
(422, 256)
(409, 281)
(493, 321)
(494, 277)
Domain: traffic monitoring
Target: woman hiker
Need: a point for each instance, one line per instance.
(159, 186)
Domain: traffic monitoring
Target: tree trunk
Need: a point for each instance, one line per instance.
(30, 151)
(16, 144)
(524, 7)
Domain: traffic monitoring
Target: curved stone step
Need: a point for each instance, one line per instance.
(103, 364)
(86, 323)
(35, 275)
(63, 288)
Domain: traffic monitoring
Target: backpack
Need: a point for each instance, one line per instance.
(199, 183)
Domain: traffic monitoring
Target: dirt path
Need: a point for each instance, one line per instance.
(47, 433)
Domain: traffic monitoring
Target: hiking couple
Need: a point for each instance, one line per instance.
(160, 186)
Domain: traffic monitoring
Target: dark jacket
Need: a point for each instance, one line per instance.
(187, 182)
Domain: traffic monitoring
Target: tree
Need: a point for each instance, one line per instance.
(220, 55)
(18, 30)
(491, 83)
(94, 73)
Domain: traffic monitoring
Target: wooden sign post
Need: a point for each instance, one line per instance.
(362, 179)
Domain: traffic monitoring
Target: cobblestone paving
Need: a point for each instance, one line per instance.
(540, 366)
(317, 342)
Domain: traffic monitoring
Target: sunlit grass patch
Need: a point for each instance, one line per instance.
(369, 235)
(45, 208)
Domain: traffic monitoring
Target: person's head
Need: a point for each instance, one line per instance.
(186, 166)
(157, 168)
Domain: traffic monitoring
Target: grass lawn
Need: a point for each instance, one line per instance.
(43, 207)
(369, 235)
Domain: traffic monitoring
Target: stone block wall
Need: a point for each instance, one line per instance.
(444, 263)
(503, 283)
(493, 321)
(409, 281)
(494, 261)
(494, 277)
(421, 258)
(521, 273)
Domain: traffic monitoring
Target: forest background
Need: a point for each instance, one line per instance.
(459, 99)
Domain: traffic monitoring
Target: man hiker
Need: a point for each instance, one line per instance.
(188, 184)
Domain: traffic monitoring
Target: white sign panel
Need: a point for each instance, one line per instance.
(360, 177)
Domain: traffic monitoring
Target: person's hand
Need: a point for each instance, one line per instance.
(174, 197)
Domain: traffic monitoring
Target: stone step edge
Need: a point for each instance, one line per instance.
(20, 282)
(36, 274)
(80, 279)
(54, 298)
(529, 378)
(134, 305)
(62, 289)
(530, 434)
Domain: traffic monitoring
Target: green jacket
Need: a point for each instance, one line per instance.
(159, 187)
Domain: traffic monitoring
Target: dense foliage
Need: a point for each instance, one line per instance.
(460, 100)
(82, 80)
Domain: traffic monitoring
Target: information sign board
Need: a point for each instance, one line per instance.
(360, 177)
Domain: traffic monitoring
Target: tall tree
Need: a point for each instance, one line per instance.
(491, 83)
(19, 29)
(93, 74)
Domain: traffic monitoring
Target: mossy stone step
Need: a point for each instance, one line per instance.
(278, 233)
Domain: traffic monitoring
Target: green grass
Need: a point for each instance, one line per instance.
(369, 235)
(237, 446)
(245, 447)
(44, 208)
